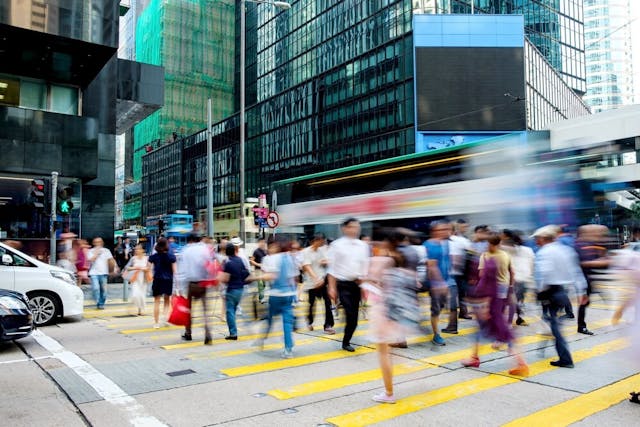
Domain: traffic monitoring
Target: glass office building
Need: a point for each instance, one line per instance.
(329, 84)
(610, 48)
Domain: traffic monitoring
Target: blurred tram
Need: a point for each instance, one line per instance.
(509, 181)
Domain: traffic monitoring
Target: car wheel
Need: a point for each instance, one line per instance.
(44, 307)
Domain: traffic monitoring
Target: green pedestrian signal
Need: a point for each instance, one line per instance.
(65, 207)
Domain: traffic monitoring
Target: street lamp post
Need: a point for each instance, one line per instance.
(281, 5)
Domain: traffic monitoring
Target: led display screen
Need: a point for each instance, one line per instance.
(470, 89)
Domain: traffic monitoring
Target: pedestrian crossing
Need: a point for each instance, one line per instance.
(381, 412)
(315, 350)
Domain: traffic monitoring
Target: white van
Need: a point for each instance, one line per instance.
(52, 291)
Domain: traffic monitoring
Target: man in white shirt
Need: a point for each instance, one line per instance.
(557, 266)
(348, 263)
(191, 271)
(99, 257)
(458, 247)
(314, 266)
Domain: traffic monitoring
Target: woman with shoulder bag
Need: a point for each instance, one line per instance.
(140, 277)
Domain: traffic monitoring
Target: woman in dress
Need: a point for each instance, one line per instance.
(394, 308)
(140, 269)
(489, 310)
(164, 268)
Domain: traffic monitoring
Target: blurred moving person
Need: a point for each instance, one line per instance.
(314, 266)
(256, 262)
(164, 269)
(280, 268)
(192, 269)
(627, 261)
(556, 266)
(395, 312)
(235, 275)
(441, 284)
(593, 256)
(522, 258)
(489, 306)
(348, 264)
(459, 245)
(140, 267)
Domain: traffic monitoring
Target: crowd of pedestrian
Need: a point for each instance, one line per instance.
(484, 275)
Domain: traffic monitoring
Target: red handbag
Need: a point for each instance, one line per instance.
(180, 311)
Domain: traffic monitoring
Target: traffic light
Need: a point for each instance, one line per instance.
(65, 205)
(160, 226)
(38, 194)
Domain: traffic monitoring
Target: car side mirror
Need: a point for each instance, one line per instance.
(7, 259)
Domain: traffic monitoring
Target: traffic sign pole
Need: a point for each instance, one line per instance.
(52, 219)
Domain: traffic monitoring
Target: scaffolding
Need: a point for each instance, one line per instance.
(194, 40)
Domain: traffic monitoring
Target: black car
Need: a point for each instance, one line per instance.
(16, 320)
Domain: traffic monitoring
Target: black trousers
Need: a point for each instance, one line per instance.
(582, 310)
(198, 292)
(323, 293)
(349, 293)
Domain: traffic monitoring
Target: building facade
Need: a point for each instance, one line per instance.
(63, 97)
(195, 43)
(329, 84)
(610, 41)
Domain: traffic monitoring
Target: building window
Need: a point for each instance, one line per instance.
(38, 95)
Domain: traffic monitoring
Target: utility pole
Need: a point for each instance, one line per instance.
(52, 218)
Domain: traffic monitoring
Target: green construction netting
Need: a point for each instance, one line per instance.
(194, 40)
(131, 210)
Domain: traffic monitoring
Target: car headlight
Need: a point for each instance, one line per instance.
(7, 304)
(64, 276)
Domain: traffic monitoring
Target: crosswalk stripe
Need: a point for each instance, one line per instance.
(296, 361)
(580, 407)
(241, 351)
(382, 412)
(314, 358)
(333, 383)
(416, 403)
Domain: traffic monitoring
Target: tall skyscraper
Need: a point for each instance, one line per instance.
(195, 43)
(612, 79)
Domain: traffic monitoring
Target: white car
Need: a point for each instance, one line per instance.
(52, 291)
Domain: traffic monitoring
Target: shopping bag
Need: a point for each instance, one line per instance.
(213, 270)
(180, 311)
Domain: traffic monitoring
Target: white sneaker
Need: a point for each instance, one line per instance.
(156, 326)
(287, 354)
(383, 397)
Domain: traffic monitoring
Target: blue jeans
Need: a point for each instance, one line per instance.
(99, 288)
(554, 299)
(232, 298)
(283, 306)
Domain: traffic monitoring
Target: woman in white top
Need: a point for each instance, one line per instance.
(139, 270)
(522, 258)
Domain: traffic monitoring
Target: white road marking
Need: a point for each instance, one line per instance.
(107, 389)
(24, 360)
